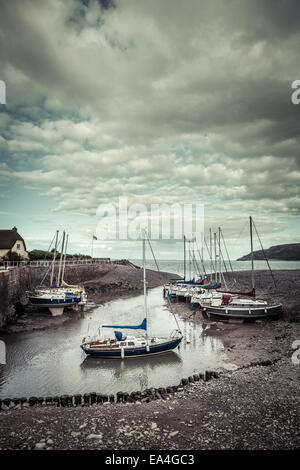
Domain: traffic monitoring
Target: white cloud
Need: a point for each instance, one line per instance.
(159, 101)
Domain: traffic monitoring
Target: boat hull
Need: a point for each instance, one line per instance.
(243, 312)
(46, 303)
(133, 352)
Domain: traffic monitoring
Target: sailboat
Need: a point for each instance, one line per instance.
(60, 295)
(122, 346)
(238, 305)
(182, 288)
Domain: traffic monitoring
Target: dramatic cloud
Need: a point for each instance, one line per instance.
(160, 101)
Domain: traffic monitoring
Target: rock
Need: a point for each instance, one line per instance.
(40, 446)
(95, 436)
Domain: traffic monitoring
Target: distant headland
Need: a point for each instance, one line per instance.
(287, 252)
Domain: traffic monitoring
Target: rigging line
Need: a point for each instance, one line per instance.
(42, 280)
(38, 271)
(228, 257)
(53, 261)
(201, 258)
(226, 251)
(210, 256)
(222, 257)
(264, 253)
(163, 282)
(197, 267)
(240, 234)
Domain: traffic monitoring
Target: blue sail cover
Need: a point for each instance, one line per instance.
(142, 326)
(119, 335)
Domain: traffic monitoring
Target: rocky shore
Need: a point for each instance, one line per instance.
(254, 406)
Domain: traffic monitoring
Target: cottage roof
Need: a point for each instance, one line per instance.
(9, 237)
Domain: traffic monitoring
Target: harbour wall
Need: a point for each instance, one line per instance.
(99, 279)
(14, 283)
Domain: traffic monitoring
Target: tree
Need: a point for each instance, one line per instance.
(13, 256)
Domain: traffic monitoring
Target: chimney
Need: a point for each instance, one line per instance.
(14, 229)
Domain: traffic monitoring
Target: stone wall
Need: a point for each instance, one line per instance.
(15, 283)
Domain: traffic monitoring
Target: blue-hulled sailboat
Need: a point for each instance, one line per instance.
(60, 295)
(122, 346)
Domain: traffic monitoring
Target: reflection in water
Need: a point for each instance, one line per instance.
(51, 362)
(133, 372)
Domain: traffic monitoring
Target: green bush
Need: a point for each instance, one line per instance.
(13, 256)
(40, 255)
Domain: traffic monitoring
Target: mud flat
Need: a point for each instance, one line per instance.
(254, 406)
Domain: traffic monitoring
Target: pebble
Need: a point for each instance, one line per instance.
(95, 436)
(40, 445)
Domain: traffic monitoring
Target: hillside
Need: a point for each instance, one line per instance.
(288, 252)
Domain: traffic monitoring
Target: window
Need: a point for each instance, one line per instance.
(130, 343)
(18, 246)
(123, 344)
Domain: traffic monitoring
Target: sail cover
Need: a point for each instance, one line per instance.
(142, 326)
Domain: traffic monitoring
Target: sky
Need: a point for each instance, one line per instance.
(158, 101)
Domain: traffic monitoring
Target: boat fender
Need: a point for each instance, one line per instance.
(83, 339)
(147, 348)
(122, 353)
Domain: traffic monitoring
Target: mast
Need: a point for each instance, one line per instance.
(252, 262)
(53, 261)
(215, 245)
(210, 248)
(220, 267)
(60, 261)
(145, 282)
(64, 263)
(190, 261)
(184, 256)
(202, 252)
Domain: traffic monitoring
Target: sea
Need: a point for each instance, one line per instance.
(177, 266)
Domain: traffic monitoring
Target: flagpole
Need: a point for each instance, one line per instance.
(92, 245)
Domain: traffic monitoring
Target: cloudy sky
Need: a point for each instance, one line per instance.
(161, 101)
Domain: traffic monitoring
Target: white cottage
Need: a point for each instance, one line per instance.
(11, 240)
